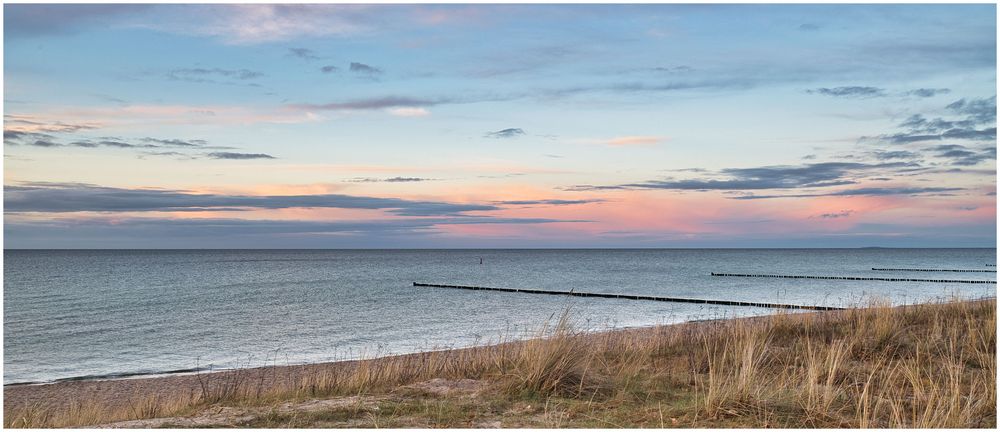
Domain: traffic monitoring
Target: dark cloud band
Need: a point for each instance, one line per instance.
(815, 175)
(72, 197)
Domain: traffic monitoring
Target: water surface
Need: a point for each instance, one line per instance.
(96, 313)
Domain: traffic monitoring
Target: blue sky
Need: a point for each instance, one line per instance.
(505, 125)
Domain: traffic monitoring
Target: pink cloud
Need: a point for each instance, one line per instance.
(409, 112)
(633, 140)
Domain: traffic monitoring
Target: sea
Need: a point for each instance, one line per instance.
(98, 314)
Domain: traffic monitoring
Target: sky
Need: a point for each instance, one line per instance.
(499, 126)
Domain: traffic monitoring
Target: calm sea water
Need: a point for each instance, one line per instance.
(71, 314)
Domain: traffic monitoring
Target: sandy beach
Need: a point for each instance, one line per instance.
(120, 393)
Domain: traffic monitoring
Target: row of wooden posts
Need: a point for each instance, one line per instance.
(855, 278)
(574, 293)
(630, 297)
(935, 270)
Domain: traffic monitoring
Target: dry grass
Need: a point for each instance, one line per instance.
(919, 366)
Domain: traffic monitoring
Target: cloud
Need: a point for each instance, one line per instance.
(673, 70)
(110, 142)
(976, 121)
(928, 92)
(389, 180)
(395, 101)
(548, 202)
(15, 137)
(194, 143)
(386, 102)
(506, 133)
(873, 191)
(31, 20)
(303, 53)
(76, 197)
(823, 174)
(872, 59)
(964, 156)
(43, 143)
(979, 111)
(150, 146)
(329, 69)
(988, 134)
(22, 123)
(239, 156)
(405, 179)
(906, 138)
(363, 69)
(244, 24)
(713, 83)
(838, 215)
(409, 112)
(214, 75)
(850, 92)
(174, 154)
(48, 141)
(633, 141)
(896, 154)
(150, 232)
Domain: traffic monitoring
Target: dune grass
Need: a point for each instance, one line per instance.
(924, 366)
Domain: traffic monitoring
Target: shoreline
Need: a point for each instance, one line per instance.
(122, 376)
(187, 372)
(114, 376)
(124, 390)
(392, 379)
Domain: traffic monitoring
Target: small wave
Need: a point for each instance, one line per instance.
(115, 376)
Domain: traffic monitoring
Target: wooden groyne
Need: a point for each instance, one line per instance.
(632, 297)
(933, 270)
(856, 278)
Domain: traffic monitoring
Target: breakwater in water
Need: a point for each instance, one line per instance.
(631, 297)
(933, 270)
(855, 278)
